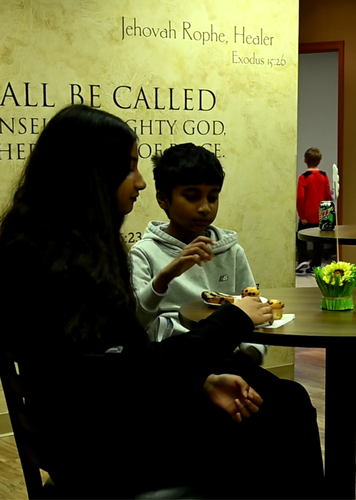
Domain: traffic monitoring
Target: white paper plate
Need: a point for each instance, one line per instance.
(263, 299)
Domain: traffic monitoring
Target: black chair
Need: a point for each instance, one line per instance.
(29, 441)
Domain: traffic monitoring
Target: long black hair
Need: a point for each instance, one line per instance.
(64, 212)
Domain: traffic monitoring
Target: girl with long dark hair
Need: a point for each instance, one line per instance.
(121, 414)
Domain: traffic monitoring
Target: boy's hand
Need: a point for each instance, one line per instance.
(304, 221)
(233, 394)
(259, 312)
(197, 252)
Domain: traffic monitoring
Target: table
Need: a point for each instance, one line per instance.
(346, 235)
(336, 332)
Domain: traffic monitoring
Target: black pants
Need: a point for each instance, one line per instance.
(181, 439)
(274, 454)
(302, 254)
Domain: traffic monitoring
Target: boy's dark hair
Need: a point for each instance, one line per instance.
(186, 164)
(313, 157)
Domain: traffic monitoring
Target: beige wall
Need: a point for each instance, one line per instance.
(325, 21)
(172, 66)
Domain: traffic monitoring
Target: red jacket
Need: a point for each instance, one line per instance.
(313, 187)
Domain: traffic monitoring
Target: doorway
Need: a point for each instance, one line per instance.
(321, 105)
(320, 111)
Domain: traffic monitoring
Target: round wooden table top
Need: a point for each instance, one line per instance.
(312, 326)
(346, 235)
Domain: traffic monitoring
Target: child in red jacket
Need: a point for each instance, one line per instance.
(313, 187)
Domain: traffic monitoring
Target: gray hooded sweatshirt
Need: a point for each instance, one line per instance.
(227, 272)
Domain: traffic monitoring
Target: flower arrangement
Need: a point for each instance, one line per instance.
(336, 282)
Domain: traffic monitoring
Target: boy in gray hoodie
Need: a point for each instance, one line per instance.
(175, 261)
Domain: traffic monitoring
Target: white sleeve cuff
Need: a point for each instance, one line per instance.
(261, 348)
(156, 293)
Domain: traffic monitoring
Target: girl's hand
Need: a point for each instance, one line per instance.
(259, 312)
(232, 394)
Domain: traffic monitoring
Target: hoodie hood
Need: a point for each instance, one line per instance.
(155, 231)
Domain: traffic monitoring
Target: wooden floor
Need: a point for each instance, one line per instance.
(309, 370)
(12, 484)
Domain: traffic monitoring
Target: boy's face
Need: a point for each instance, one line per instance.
(192, 209)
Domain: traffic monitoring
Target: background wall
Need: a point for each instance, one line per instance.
(322, 21)
(223, 75)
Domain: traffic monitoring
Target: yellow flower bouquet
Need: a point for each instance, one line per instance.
(336, 282)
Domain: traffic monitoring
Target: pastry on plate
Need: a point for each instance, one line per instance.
(277, 308)
(251, 291)
(217, 297)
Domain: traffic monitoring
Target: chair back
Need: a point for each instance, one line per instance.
(27, 434)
